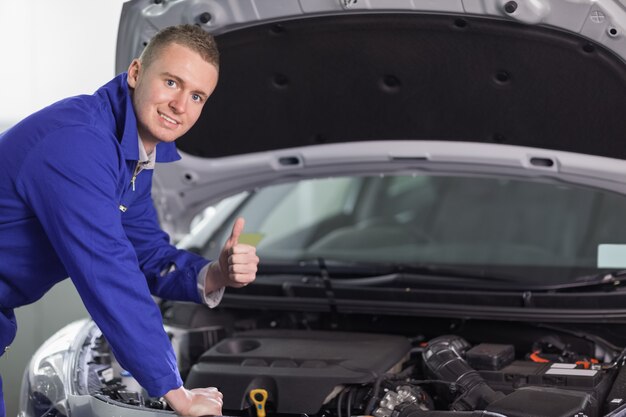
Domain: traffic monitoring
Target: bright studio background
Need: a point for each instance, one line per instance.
(53, 49)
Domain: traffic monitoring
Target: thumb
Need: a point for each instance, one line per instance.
(237, 229)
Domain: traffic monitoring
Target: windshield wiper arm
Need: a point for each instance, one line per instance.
(611, 278)
(337, 269)
(453, 272)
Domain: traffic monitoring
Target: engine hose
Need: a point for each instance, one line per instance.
(443, 359)
(371, 403)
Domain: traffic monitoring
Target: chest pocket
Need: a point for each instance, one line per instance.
(127, 200)
(128, 197)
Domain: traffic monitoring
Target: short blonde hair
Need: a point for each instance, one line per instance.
(190, 36)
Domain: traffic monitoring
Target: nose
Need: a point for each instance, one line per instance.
(178, 104)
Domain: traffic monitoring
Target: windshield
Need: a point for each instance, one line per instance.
(533, 231)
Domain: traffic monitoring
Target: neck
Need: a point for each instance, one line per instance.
(148, 146)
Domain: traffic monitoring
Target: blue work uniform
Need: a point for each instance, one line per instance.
(69, 207)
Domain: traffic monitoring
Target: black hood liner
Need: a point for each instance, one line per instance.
(411, 76)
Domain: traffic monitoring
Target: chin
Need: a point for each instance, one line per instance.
(166, 137)
(170, 139)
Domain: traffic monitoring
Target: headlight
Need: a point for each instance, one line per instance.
(47, 380)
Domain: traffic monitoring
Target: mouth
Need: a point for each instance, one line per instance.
(168, 119)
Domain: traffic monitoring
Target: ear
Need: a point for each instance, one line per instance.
(133, 73)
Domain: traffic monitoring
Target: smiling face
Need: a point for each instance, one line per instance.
(169, 93)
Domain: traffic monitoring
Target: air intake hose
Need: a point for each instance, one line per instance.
(443, 358)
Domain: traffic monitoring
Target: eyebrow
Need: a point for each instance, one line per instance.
(182, 82)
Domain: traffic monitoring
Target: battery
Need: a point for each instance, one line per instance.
(523, 373)
(490, 356)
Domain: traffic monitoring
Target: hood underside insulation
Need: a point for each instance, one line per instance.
(411, 76)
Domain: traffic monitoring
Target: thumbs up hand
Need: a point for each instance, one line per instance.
(237, 264)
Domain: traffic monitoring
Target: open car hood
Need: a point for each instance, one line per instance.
(485, 84)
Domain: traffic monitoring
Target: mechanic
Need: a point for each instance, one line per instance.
(75, 200)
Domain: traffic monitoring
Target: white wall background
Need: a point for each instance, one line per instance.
(49, 50)
(53, 49)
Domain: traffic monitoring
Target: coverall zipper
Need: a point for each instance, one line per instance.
(137, 171)
(122, 207)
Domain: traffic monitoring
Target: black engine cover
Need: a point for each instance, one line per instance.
(299, 369)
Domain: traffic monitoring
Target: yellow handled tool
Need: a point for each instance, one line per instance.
(258, 397)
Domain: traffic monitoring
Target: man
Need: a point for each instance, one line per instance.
(75, 201)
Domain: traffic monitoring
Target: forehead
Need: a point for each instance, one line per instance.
(185, 63)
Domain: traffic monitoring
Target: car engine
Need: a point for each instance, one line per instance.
(269, 366)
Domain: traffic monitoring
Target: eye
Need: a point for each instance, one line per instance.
(196, 98)
(170, 83)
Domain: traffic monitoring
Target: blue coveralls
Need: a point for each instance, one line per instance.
(65, 172)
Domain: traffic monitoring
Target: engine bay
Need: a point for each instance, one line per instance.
(278, 364)
(287, 363)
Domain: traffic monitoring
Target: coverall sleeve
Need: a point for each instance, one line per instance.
(171, 273)
(70, 180)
